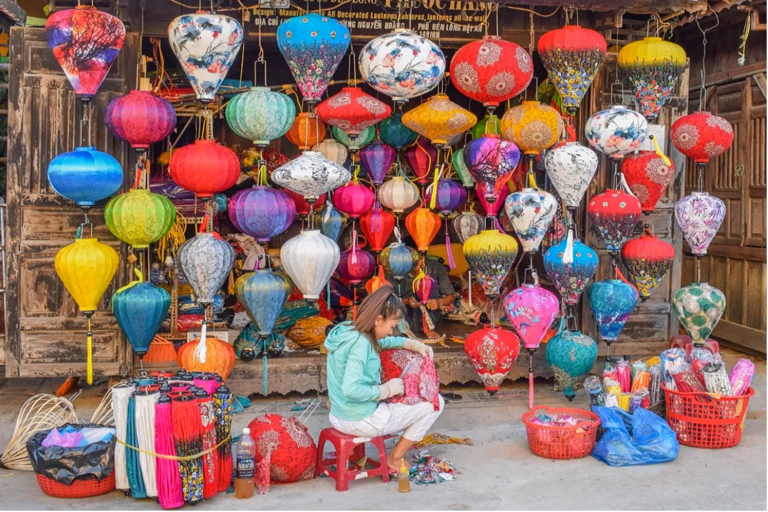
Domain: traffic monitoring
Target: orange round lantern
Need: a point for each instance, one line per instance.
(423, 225)
(306, 132)
(220, 357)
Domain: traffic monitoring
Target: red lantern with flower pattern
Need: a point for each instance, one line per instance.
(287, 443)
(647, 175)
(614, 214)
(702, 136)
(492, 351)
(205, 167)
(352, 110)
(647, 259)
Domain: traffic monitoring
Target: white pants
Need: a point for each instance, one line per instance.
(413, 420)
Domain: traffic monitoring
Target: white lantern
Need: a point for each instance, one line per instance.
(468, 224)
(398, 194)
(206, 261)
(570, 168)
(332, 150)
(310, 260)
(311, 175)
(616, 131)
(530, 212)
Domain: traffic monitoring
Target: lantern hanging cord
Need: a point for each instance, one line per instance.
(743, 45)
(703, 89)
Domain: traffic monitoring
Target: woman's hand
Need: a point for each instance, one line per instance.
(391, 388)
(412, 302)
(419, 347)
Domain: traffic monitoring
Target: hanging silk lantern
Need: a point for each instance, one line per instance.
(571, 279)
(205, 167)
(648, 260)
(140, 118)
(302, 206)
(356, 265)
(206, 45)
(488, 125)
(205, 260)
(311, 175)
(532, 126)
(310, 259)
(571, 356)
(377, 225)
(402, 65)
(313, 46)
(702, 136)
(439, 119)
(611, 301)
(616, 131)
(613, 215)
(491, 160)
(333, 150)
(699, 307)
(653, 67)
(570, 168)
(263, 294)
(398, 259)
(422, 158)
(572, 55)
(423, 285)
(647, 175)
(354, 143)
(377, 158)
(352, 110)
(393, 132)
(461, 169)
(261, 212)
(467, 224)
(260, 115)
(699, 217)
(530, 212)
(449, 197)
(354, 199)
(85, 42)
(531, 310)
(492, 198)
(423, 225)
(139, 217)
(85, 176)
(492, 351)
(140, 309)
(398, 194)
(306, 131)
(490, 256)
(331, 221)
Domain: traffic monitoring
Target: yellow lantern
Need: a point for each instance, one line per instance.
(490, 255)
(86, 268)
(439, 119)
(532, 126)
(139, 217)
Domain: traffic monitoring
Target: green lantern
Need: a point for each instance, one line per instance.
(260, 115)
(489, 125)
(139, 217)
(365, 137)
(461, 169)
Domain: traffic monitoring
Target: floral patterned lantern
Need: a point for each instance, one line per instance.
(616, 131)
(531, 310)
(398, 194)
(571, 355)
(311, 175)
(313, 46)
(140, 118)
(377, 225)
(613, 215)
(377, 158)
(647, 175)
(423, 225)
(461, 169)
(309, 259)
(490, 256)
(491, 160)
(571, 279)
(611, 301)
(533, 126)
(699, 217)
(261, 212)
(306, 131)
(488, 125)
(439, 119)
(356, 265)
(354, 144)
(492, 351)
(449, 197)
(571, 168)
(332, 150)
(260, 115)
(422, 158)
(393, 132)
(286, 446)
(647, 260)
(702, 137)
(205, 260)
(530, 212)
(467, 224)
(262, 294)
(353, 199)
(352, 110)
(205, 167)
(699, 307)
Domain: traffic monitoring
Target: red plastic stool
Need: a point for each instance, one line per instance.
(349, 449)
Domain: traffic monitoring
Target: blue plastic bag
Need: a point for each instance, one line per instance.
(634, 439)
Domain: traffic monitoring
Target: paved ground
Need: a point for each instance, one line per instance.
(499, 472)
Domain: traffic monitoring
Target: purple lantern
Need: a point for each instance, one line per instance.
(450, 195)
(262, 212)
(377, 158)
(355, 265)
(491, 160)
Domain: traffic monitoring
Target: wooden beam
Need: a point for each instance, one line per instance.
(11, 10)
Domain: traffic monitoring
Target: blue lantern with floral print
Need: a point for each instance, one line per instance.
(570, 277)
(612, 301)
(571, 356)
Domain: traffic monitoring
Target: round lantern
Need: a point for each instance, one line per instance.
(439, 119)
(205, 167)
(467, 224)
(261, 212)
(653, 67)
(461, 169)
(334, 151)
(260, 115)
(352, 110)
(532, 126)
(491, 160)
(699, 307)
(356, 265)
(393, 132)
(331, 221)
(699, 217)
(530, 212)
(205, 260)
(422, 158)
(263, 294)
(571, 167)
(402, 65)
(140, 309)
(572, 55)
(647, 260)
(85, 176)
(287, 446)
(249, 345)
(449, 197)
(377, 158)
(302, 206)
(490, 256)
(221, 361)
(611, 301)
(702, 136)
(571, 356)
(616, 131)
(488, 125)
(206, 45)
(614, 215)
(310, 259)
(398, 259)
(531, 310)
(354, 199)
(492, 198)
(313, 46)
(140, 118)
(398, 194)
(311, 175)
(491, 70)
(306, 131)
(139, 217)
(423, 225)
(354, 143)
(647, 175)
(492, 351)
(377, 225)
(571, 279)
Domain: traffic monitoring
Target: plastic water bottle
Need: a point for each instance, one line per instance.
(246, 453)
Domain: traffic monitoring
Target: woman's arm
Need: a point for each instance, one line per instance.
(352, 386)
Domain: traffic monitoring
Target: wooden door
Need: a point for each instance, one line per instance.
(45, 331)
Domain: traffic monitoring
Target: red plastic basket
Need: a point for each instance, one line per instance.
(83, 487)
(553, 442)
(703, 421)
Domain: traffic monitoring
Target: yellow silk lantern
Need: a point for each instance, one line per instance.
(86, 268)
(532, 126)
(651, 50)
(439, 119)
(139, 217)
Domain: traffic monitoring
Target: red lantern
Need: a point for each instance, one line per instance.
(492, 351)
(614, 215)
(355, 265)
(205, 167)
(291, 450)
(483, 190)
(302, 206)
(647, 176)
(377, 226)
(352, 110)
(702, 136)
(354, 199)
(422, 158)
(423, 225)
(140, 118)
(647, 260)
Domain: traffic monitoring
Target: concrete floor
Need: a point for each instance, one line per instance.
(498, 472)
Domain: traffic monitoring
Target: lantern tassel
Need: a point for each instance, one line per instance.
(449, 249)
(532, 180)
(498, 225)
(625, 185)
(568, 253)
(433, 194)
(659, 152)
(469, 279)
(89, 354)
(202, 347)
(353, 257)
(264, 375)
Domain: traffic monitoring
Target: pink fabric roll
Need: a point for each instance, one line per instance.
(210, 385)
(168, 479)
(741, 376)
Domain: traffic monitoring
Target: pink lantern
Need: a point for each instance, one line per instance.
(354, 199)
(531, 310)
(422, 158)
(356, 265)
(491, 209)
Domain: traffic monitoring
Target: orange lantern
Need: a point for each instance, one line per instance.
(306, 131)
(423, 225)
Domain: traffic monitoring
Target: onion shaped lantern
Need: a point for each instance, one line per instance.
(467, 224)
(570, 168)
(490, 256)
(306, 131)
(492, 352)
(354, 199)
(616, 131)
(303, 208)
(331, 221)
(260, 115)
(140, 309)
(532, 126)
(422, 158)
(356, 265)
(85, 176)
(488, 125)
(354, 144)
(140, 118)
(491, 160)
(461, 169)
(352, 111)
(261, 212)
(311, 175)
(449, 197)
(398, 194)
(393, 132)
(263, 294)
(310, 259)
(423, 225)
(702, 136)
(439, 119)
(398, 260)
(648, 260)
(611, 302)
(139, 217)
(377, 158)
(530, 212)
(614, 215)
(571, 356)
(648, 176)
(206, 260)
(572, 278)
(205, 167)
(699, 216)
(377, 225)
(333, 150)
(699, 307)
(531, 309)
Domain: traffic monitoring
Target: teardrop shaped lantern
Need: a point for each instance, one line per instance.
(306, 131)
(450, 196)
(205, 260)
(310, 259)
(377, 158)
(263, 294)
(311, 175)
(422, 158)
(648, 260)
(260, 115)
(702, 136)
(492, 352)
(490, 256)
(531, 309)
(356, 265)
(491, 160)
(533, 126)
(572, 55)
(140, 309)
(398, 194)
(85, 176)
(313, 46)
(85, 42)
(571, 279)
(699, 216)
(648, 176)
(140, 118)
(699, 307)
(611, 301)
(354, 144)
(393, 132)
(331, 221)
(439, 119)
(398, 259)
(205, 167)
(377, 225)
(488, 125)
(461, 169)
(423, 225)
(614, 215)
(352, 111)
(492, 197)
(354, 199)
(616, 131)
(571, 167)
(302, 206)
(333, 150)
(206, 45)
(571, 356)
(423, 285)
(530, 212)
(139, 217)
(261, 212)
(467, 224)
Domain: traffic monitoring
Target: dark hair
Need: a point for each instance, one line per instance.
(383, 302)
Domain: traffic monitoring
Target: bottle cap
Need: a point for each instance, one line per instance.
(246, 431)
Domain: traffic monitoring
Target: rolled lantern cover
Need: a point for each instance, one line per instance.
(699, 307)
(306, 131)
(450, 196)
(352, 110)
(331, 221)
(461, 168)
(492, 352)
(490, 256)
(140, 310)
(313, 46)
(356, 268)
(310, 258)
(354, 199)
(530, 212)
(647, 176)
(86, 267)
(699, 217)
(139, 217)
(260, 115)
(439, 119)
(531, 310)
(402, 64)
(398, 194)
(467, 225)
(485, 192)
(572, 55)
(423, 286)
(398, 259)
(571, 356)
(491, 70)
(571, 279)
(206, 260)
(423, 225)
(611, 301)
(393, 132)
(491, 160)
(263, 294)
(140, 118)
(648, 260)
(377, 158)
(85, 175)
(85, 42)
(377, 225)
(571, 168)
(333, 150)
(353, 144)
(206, 45)
(488, 125)
(653, 67)
(614, 215)
(616, 131)
(702, 136)
(302, 206)
(532, 126)
(205, 167)
(261, 212)
(422, 158)
(311, 175)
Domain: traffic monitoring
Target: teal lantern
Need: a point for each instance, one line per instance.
(140, 308)
(263, 294)
(461, 169)
(331, 221)
(395, 133)
(612, 301)
(249, 339)
(571, 356)
(260, 115)
(354, 144)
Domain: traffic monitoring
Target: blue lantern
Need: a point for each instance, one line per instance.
(612, 301)
(395, 133)
(397, 260)
(571, 356)
(572, 278)
(140, 308)
(250, 338)
(263, 294)
(85, 175)
(331, 221)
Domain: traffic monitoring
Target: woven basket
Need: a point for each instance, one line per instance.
(83, 487)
